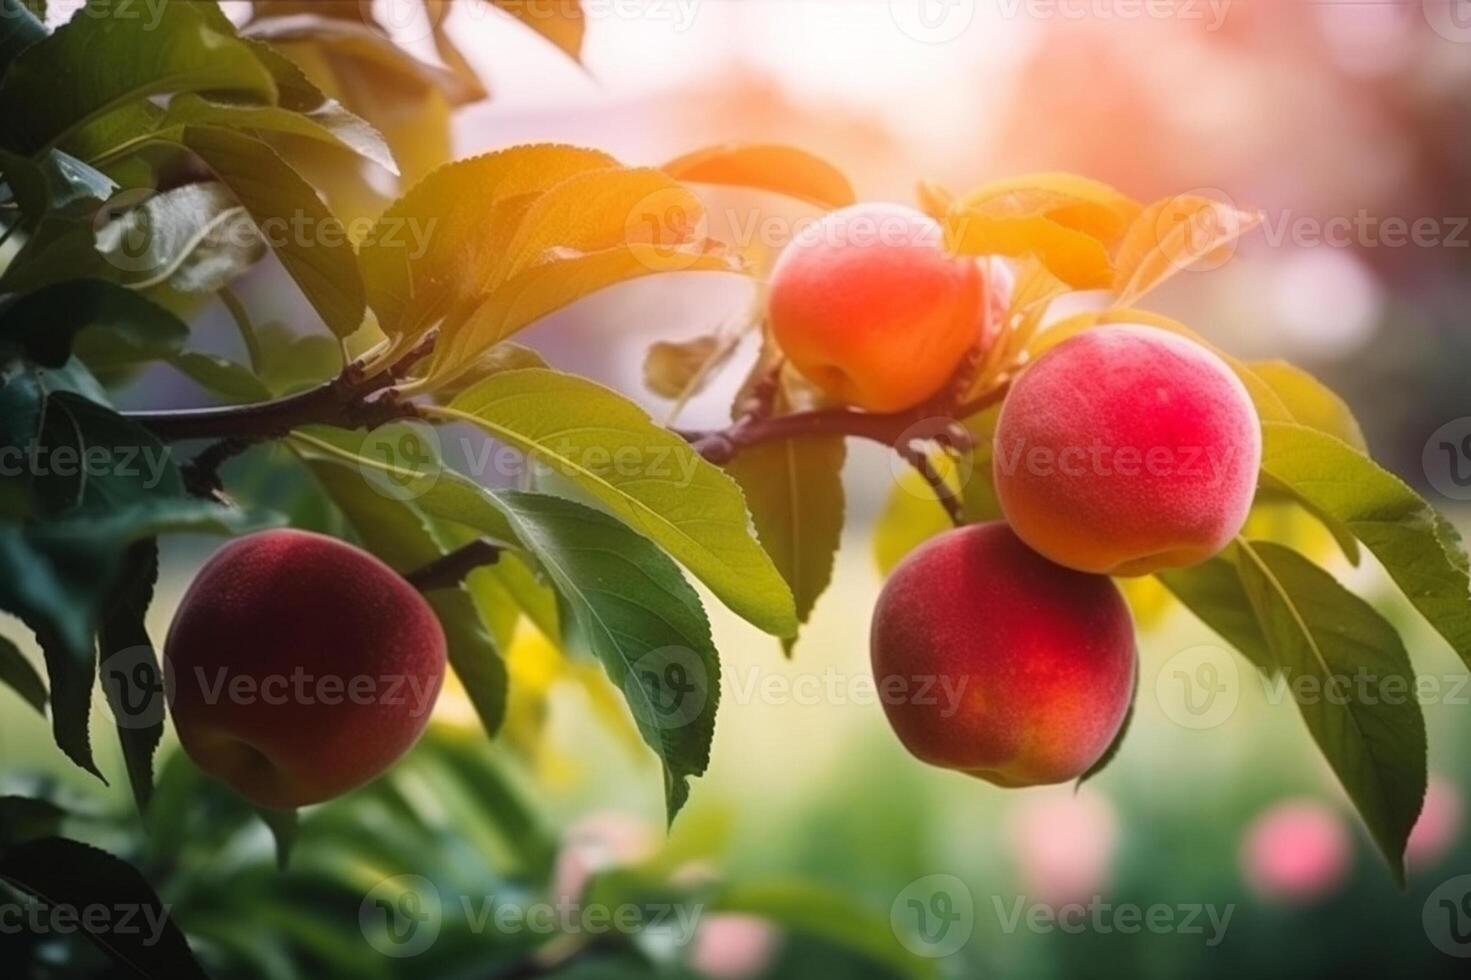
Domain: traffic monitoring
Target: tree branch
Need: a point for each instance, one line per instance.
(450, 570)
(722, 445)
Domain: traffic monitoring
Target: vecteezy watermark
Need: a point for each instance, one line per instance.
(301, 687)
(1447, 459)
(71, 462)
(1199, 687)
(1103, 918)
(675, 686)
(1447, 917)
(39, 917)
(1100, 459)
(833, 687)
(404, 460)
(934, 916)
(944, 21)
(404, 916)
(1363, 229)
(1451, 19)
(134, 685)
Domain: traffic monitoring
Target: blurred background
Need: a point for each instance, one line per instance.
(1348, 124)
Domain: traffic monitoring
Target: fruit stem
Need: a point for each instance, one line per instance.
(450, 570)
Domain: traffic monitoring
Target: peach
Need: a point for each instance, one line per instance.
(994, 661)
(1125, 450)
(869, 308)
(300, 667)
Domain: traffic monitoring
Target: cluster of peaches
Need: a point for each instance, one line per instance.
(1099, 453)
(1122, 451)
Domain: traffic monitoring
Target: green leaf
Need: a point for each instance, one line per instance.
(1409, 538)
(44, 324)
(433, 248)
(1212, 590)
(19, 29)
(627, 604)
(196, 239)
(1310, 402)
(308, 239)
(397, 532)
(109, 55)
(18, 674)
(221, 376)
(647, 476)
(827, 915)
(100, 483)
(24, 819)
(52, 181)
(66, 874)
(130, 668)
(794, 489)
(1321, 633)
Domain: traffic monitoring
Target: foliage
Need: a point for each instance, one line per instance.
(147, 167)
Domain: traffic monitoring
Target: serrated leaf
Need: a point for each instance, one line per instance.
(44, 324)
(67, 874)
(1368, 502)
(52, 181)
(194, 238)
(1310, 402)
(647, 476)
(432, 249)
(123, 635)
(18, 674)
(328, 123)
(543, 289)
(103, 58)
(794, 490)
(1318, 630)
(322, 262)
(1212, 590)
(627, 604)
(771, 167)
(1171, 235)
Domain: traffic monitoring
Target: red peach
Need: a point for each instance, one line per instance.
(300, 667)
(870, 308)
(996, 662)
(1125, 450)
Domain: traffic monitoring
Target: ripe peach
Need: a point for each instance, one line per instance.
(300, 667)
(994, 661)
(1125, 450)
(867, 305)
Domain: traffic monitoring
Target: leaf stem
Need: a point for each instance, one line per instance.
(450, 570)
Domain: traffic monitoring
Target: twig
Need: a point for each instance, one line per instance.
(450, 570)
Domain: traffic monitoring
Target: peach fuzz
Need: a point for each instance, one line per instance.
(993, 661)
(869, 307)
(300, 667)
(1126, 450)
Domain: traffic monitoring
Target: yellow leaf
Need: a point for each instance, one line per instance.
(546, 288)
(600, 209)
(768, 167)
(434, 247)
(935, 199)
(1174, 234)
(561, 23)
(1075, 202)
(1034, 289)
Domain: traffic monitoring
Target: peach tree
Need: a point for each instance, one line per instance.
(149, 162)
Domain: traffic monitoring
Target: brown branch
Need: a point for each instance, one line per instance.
(722, 445)
(348, 401)
(450, 570)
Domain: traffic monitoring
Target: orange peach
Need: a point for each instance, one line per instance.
(869, 307)
(300, 667)
(991, 660)
(1125, 450)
